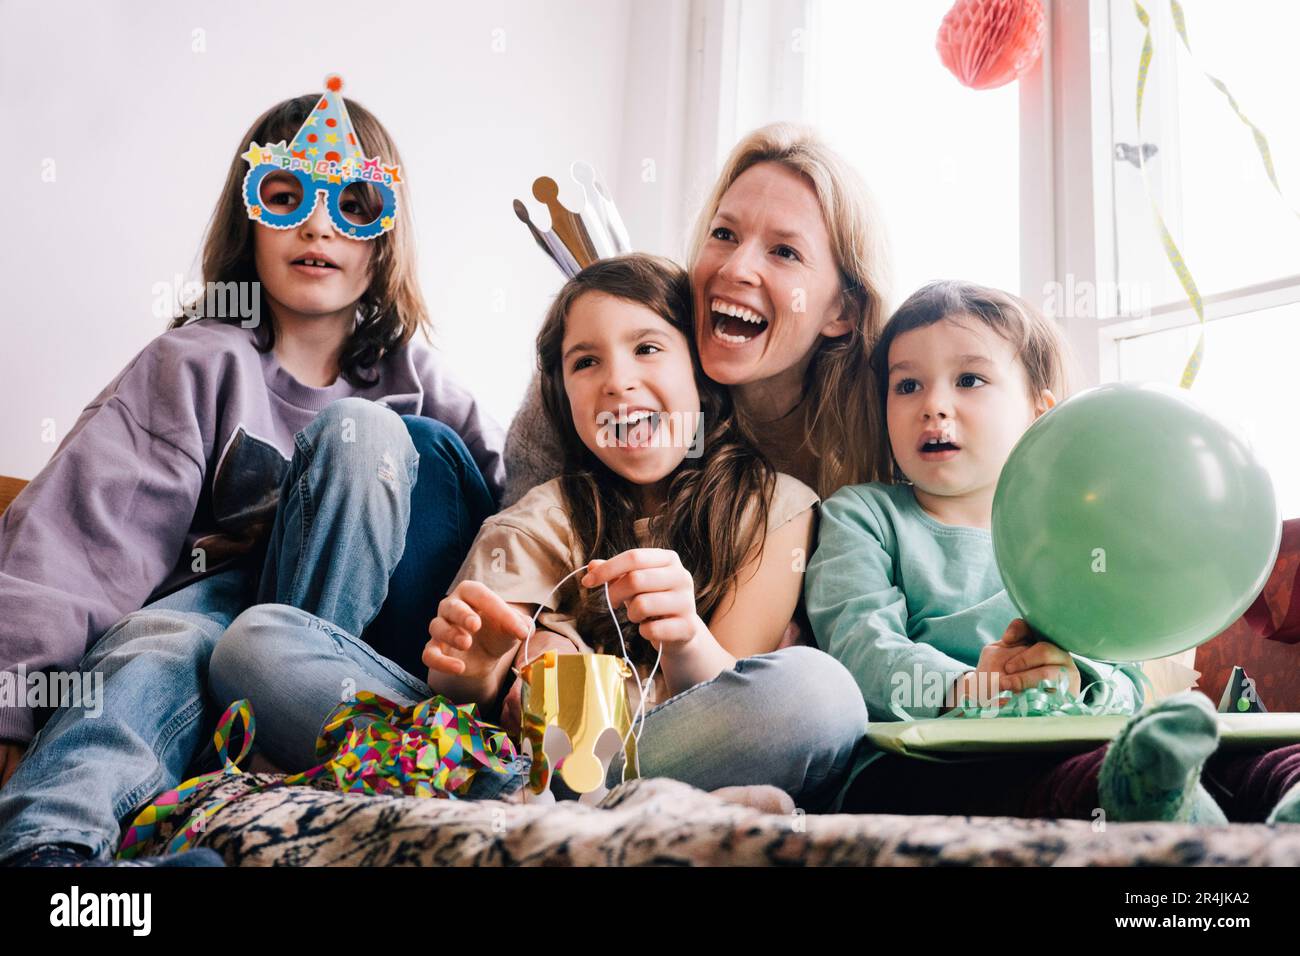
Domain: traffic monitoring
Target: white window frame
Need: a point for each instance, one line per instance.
(1067, 226)
(700, 74)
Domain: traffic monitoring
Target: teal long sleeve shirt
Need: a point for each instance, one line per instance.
(906, 602)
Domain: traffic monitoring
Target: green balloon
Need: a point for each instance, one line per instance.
(1130, 524)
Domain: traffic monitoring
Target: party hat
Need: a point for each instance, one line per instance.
(325, 157)
(327, 133)
(583, 695)
(1239, 695)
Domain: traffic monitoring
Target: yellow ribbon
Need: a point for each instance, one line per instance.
(1261, 141)
(1172, 251)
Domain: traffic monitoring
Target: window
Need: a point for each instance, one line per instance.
(942, 160)
(1249, 383)
(1239, 238)
(1231, 225)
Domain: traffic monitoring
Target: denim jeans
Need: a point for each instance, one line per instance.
(790, 718)
(351, 518)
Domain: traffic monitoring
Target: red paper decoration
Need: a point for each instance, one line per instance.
(989, 43)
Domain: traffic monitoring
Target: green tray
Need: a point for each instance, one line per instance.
(975, 735)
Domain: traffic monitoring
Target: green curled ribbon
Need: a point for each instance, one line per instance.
(1053, 699)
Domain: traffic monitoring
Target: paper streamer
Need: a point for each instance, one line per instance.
(430, 749)
(1172, 252)
(1261, 141)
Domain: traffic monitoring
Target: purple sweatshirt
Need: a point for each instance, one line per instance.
(184, 449)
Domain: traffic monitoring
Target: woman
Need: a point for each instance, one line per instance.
(788, 273)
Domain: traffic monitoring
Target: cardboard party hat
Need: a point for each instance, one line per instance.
(576, 239)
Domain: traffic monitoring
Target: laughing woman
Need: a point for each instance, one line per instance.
(788, 272)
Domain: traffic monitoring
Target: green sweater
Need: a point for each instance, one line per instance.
(906, 602)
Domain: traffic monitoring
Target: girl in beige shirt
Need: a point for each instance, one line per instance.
(700, 542)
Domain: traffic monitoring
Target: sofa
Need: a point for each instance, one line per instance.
(262, 822)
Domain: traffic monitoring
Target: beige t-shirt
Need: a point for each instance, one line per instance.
(523, 552)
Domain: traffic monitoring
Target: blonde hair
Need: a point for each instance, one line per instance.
(1038, 342)
(839, 416)
(392, 308)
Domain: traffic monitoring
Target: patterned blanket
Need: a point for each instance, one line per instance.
(664, 822)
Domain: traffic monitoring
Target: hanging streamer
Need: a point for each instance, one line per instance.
(1172, 252)
(1261, 141)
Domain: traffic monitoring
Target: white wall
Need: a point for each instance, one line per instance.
(141, 127)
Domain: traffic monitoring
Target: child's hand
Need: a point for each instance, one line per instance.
(658, 592)
(1041, 661)
(982, 685)
(995, 657)
(474, 629)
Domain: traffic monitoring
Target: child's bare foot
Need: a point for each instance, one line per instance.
(762, 797)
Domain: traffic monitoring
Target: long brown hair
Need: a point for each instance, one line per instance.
(1038, 342)
(706, 494)
(391, 308)
(838, 418)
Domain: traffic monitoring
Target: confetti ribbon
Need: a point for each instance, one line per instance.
(430, 749)
(1049, 699)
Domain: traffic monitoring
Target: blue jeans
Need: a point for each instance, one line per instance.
(343, 532)
(790, 718)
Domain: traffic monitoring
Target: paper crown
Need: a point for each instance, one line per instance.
(577, 239)
(285, 181)
(583, 695)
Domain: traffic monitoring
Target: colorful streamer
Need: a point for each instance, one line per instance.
(374, 746)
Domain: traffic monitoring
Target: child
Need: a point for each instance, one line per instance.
(904, 590)
(700, 554)
(216, 437)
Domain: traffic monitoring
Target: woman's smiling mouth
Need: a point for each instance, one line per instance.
(734, 324)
